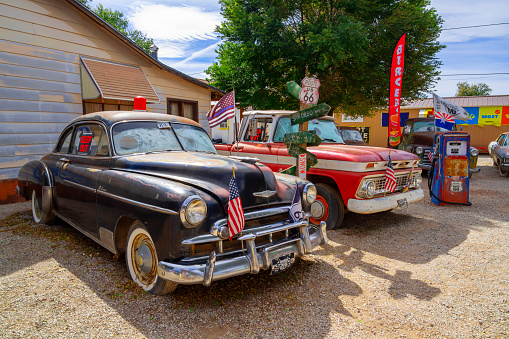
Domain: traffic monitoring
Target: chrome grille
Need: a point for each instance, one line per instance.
(425, 159)
(401, 181)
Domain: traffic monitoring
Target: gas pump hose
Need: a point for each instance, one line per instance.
(430, 186)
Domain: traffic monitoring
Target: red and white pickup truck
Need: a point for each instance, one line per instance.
(348, 178)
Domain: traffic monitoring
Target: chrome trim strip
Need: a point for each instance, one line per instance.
(137, 203)
(93, 190)
(107, 238)
(257, 231)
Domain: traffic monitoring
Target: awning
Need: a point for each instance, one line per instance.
(114, 81)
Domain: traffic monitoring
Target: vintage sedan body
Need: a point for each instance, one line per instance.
(417, 138)
(152, 186)
(499, 152)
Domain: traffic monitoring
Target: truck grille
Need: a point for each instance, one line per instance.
(400, 179)
(425, 159)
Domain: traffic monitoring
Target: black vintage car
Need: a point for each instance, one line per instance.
(152, 186)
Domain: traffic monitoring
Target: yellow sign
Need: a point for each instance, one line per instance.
(490, 116)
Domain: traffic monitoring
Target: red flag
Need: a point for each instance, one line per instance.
(236, 218)
(398, 61)
(390, 177)
(223, 110)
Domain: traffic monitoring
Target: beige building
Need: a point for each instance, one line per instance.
(375, 128)
(58, 61)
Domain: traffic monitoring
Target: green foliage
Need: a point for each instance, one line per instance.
(346, 44)
(464, 89)
(118, 21)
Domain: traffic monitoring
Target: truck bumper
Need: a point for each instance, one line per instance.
(367, 206)
(251, 261)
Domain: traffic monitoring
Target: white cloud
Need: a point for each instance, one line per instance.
(208, 51)
(174, 23)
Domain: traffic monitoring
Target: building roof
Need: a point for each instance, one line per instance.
(478, 101)
(216, 93)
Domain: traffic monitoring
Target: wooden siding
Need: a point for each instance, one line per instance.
(40, 92)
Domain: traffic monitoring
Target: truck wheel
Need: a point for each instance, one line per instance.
(38, 215)
(327, 207)
(502, 171)
(141, 258)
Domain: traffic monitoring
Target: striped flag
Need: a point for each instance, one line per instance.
(430, 155)
(390, 177)
(223, 110)
(236, 218)
(444, 120)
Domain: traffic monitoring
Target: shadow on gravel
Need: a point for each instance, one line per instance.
(299, 292)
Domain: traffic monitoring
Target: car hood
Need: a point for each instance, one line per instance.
(209, 172)
(359, 153)
(423, 139)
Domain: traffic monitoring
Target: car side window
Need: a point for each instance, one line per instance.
(258, 130)
(90, 140)
(64, 142)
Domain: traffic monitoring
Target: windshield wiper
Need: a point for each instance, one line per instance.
(163, 150)
(331, 140)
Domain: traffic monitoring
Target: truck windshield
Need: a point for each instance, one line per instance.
(152, 136)
(325, 129)
(428, 126)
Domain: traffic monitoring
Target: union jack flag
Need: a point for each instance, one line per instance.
(223, 110)
(236, 219)
(390, 177)
(444, 120)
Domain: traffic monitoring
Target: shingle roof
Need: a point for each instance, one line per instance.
(479, 101)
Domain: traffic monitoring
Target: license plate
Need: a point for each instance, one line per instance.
(402, 203)
(282, 263)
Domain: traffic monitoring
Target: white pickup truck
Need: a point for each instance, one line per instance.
(348, 178)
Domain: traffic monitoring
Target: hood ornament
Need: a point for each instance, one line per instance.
(264, 194)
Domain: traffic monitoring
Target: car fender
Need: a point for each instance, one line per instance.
(156, 202)
(35, 175)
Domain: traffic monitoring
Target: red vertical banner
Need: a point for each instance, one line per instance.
(398, 61)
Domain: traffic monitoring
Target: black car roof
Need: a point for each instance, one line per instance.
(111, 117)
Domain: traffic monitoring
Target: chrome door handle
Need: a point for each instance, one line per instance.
(64, 160)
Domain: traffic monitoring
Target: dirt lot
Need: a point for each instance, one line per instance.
(428, 271)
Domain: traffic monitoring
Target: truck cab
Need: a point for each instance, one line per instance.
(347, 177)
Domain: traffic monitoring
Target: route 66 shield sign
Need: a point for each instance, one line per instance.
(309, 92)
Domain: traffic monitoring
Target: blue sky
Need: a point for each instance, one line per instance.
(184, 33)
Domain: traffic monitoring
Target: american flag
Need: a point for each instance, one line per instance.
(409, 181)
(430, 156)
(223, 110)
(236, 218)
(390, 178)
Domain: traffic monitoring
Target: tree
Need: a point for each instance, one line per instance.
(118, 21)
(346, 44)
(466, 90)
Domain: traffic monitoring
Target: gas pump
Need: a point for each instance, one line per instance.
(448, 180)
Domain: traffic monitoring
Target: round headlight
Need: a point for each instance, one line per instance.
(309, 193)
(474, 152)
(193, 211)
(419, 150)
(417, 180)
(368, 189)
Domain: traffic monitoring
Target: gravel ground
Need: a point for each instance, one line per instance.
(427, 271)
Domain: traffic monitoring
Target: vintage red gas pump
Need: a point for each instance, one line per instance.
(449, 182)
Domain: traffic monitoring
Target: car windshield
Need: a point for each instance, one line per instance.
(428, 126)
(325, 129)
(351, 135)
(153, 136)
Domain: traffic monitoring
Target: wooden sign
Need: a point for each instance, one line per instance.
(304, 137)
(295, 150)
(293, 88)
(302, 166)
(309, 114)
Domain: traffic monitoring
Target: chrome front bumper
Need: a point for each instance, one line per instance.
(386, 203)
(252, 260)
